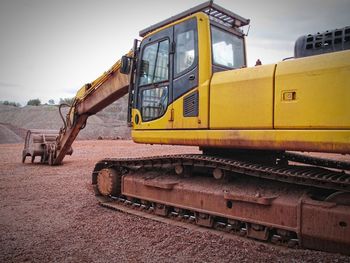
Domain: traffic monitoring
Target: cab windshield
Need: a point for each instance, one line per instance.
(227, 49)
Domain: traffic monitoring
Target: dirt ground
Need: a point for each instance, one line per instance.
(50, 214)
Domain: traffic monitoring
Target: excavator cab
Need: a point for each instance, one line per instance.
(173, 65)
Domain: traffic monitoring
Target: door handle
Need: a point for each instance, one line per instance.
(191, 77)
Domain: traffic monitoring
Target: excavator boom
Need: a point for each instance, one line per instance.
(53, 146)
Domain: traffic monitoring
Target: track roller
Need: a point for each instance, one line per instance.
(183, 170)
(219, 173)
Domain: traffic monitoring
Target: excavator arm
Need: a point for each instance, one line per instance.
(53, 146)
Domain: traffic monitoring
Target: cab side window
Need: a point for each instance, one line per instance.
(185, 75)
(186, 57)
(227, 48)
(185, 51)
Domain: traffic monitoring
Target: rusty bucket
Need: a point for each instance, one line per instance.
(39, 143)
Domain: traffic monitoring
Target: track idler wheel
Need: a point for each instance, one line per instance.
(109, 182)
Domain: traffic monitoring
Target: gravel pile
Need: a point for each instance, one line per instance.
(109, 123)
(49, 214)
(10, 134)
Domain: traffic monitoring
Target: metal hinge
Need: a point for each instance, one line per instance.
(172, 47)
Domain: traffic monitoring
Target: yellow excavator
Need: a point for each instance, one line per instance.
(189, 84)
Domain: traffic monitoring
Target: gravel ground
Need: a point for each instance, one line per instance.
(50, 214)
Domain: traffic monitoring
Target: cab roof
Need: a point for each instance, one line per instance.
(215, 12)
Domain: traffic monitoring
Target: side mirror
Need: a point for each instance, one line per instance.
(125, 65)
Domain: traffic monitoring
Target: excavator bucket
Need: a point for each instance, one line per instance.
(41, 143)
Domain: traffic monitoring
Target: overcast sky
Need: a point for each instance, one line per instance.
(50, 48)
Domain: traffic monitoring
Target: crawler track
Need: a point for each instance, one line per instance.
(186, 220)
(303, 175)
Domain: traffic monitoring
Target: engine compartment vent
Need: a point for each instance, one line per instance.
(190, 106)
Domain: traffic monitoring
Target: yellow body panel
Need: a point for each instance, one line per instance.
(81, 92)
(164, 122)
(242, 98)
(337, 141)
(313, 92)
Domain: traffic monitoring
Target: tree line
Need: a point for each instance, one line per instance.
(37, 102)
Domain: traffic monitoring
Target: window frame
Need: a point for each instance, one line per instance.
(154, 85)
(220, 67)
(158, 41)
(148, 87)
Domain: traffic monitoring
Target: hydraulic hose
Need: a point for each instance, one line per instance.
(59, 109)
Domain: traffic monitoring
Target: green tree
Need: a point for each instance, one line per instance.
(10, 103)
(68, 101)
(51, 102)
(34, 102)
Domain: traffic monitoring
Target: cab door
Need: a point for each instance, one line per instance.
(154, 82)
(172, 86)
(185, 76)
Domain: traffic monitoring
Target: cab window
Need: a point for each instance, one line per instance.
(154, 64)
(227, 49)
(186, 47)
(154, 102)
(154, 80)
(185, 51)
